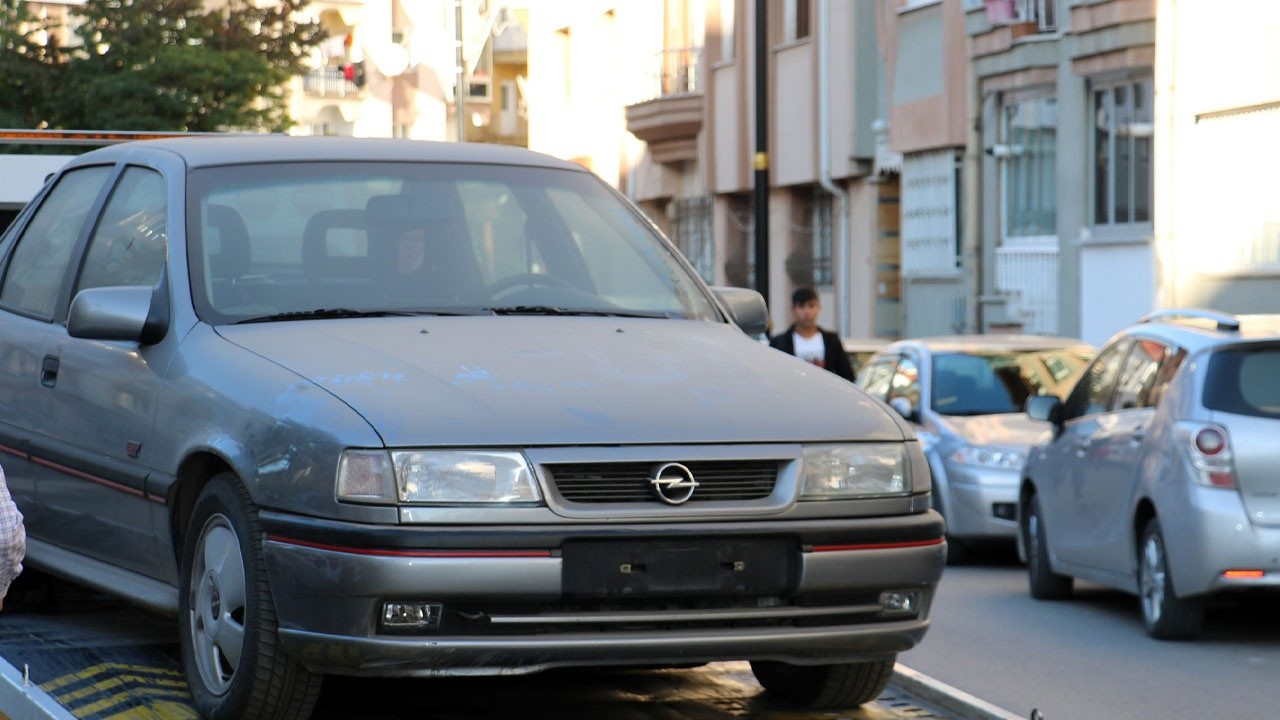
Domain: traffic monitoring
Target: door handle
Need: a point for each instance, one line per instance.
(49, 370)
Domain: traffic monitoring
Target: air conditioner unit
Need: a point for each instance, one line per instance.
(480, 88)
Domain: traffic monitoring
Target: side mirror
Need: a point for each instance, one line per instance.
(135, 313)
(1045, 407)
(746, 308)
(904, 408)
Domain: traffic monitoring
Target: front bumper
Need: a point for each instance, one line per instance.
(983, 502)
(505, 608)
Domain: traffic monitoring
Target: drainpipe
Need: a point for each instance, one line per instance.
(841, 216)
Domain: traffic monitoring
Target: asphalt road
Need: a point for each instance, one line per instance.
(1090, 657)
(99, 658)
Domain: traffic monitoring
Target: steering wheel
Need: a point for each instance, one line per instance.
(507, 284)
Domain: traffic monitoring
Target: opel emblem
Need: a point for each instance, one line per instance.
(673, 483)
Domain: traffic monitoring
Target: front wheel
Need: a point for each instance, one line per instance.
(226, 618)
(824, 686)
(1166, 616)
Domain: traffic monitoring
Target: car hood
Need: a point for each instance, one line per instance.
(501, 380)
(1001, 430)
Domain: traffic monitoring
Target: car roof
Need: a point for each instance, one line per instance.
(231, 149)
(863, 344)
(989, 341)
(1196, 329)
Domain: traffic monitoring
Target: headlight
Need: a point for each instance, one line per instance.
(989, 457)
(437, 476)
(833, 472)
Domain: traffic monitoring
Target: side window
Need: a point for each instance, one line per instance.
(128, 246)
(1138, 375)
(1172, 362)
(1093, 393)
(39, 262)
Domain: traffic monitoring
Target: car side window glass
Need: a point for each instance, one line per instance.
(1093, 393)
(1168, 368)
(129, 244)
(906, 381)
(39, 263)
(1138, 375)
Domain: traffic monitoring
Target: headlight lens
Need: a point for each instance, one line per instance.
(833, 472)
(436, 476)
(989, 457)
(464, 476)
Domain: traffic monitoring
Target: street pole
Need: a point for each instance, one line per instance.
(761, 194)
(460, 90)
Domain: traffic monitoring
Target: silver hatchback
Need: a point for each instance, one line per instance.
(1160, 477)
(964, 396)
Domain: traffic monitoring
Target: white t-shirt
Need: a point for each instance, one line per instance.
(812, 349)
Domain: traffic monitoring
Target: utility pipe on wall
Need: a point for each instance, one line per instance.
(841, 215)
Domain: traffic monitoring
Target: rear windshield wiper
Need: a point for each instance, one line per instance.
(330, 313)
(551, 310)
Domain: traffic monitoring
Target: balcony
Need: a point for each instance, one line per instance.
(329, 82)
(669, 116)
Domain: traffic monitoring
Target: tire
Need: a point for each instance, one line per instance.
(1166, 616)
(1043, 582)
(824, 686)
(226, 616)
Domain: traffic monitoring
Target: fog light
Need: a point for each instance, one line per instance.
(411, 615)
(899, 602)
(1004, 511)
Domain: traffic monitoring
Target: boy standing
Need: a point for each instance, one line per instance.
(807, 341)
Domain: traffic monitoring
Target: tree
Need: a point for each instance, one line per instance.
(29, 63)
(175, 65)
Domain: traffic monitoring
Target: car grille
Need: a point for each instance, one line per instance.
(718, 481)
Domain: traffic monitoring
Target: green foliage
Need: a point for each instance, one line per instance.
(158, 65)
(28, 79)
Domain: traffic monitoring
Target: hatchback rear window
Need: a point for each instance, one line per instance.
(1242, 380)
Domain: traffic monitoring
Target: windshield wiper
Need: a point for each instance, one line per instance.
(330, 313)
(552, 310)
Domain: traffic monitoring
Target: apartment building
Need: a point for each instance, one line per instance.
(391, 68)
(1113, 164)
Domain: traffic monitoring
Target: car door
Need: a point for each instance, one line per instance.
(95, 403)
(1063, 479)
(37, 259)
(1114, 456)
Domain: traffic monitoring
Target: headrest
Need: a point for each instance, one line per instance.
(405, 211)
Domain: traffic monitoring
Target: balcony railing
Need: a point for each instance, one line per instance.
(674, 72)
(328, 82)
(1009, 12)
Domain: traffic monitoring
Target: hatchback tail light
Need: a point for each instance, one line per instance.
(1209, 448)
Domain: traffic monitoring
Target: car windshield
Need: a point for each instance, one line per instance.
(344, 239)
(992, 382)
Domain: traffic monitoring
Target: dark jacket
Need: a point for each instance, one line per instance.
(834, 359)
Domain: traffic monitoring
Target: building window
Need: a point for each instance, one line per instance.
(691, 230)
(740, 246)
(1123, 122)
(1029, 157)
(810, 262)
(728, 27)
(795, 19)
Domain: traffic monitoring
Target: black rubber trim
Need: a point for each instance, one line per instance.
(921, 528)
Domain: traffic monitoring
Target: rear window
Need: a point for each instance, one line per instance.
(1242, 380)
